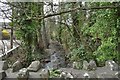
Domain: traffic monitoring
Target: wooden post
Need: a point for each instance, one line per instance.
(11, 37)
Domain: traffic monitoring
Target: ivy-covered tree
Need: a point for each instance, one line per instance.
(88, 30)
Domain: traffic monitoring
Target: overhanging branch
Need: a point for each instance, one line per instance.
(79, 8)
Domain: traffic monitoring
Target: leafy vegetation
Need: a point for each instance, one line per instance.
(54, 73)
(87, 31)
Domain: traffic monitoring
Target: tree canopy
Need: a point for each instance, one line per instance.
(89, 30)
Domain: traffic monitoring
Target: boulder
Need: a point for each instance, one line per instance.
(69, 75)
(23, 74)
(63, 74)
(92, 65)
(16, 66)
(2, 74)
(66, 75)
(112, 65)
(3, 65)
(34, 66)
(86, 75)
(44, 73)
(85, 65)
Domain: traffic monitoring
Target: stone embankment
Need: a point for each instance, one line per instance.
(37, 70)
(34, 70)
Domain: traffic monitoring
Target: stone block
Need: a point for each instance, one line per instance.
(34, 66)
(23, 74)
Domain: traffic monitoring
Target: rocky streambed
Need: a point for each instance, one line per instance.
(55, 66)
(35, 71)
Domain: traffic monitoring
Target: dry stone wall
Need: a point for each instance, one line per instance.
(89, 70)
(109, 71)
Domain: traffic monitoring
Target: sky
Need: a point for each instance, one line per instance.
(3, 6)
(4, 20)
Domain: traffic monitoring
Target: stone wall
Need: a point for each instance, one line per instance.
(35, 71)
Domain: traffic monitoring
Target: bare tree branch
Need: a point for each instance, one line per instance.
(59, 13)
(79, 8)
(4, 12)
